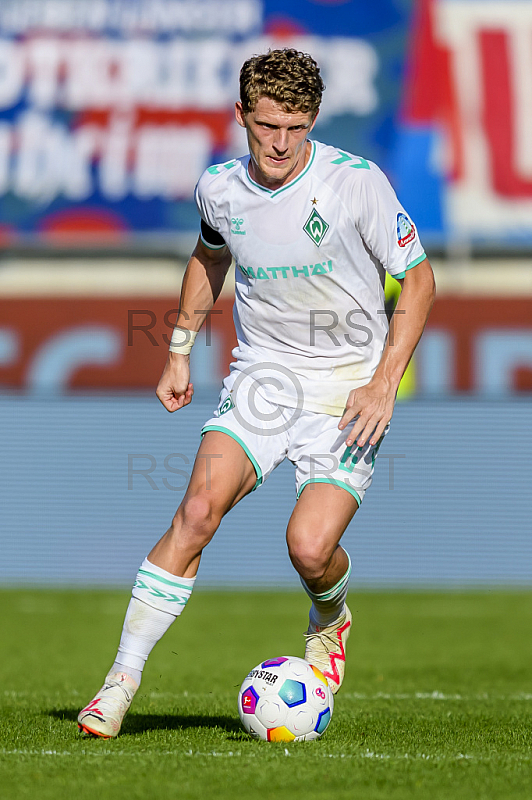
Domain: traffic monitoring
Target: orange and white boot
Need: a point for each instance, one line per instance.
(104, 715)
(325, 648)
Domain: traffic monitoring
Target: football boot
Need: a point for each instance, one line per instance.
(104, 715)
(325, 648)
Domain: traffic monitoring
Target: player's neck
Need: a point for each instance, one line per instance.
(272, 183)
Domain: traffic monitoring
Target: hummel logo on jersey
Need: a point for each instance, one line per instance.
(316, 227)
(236, 225)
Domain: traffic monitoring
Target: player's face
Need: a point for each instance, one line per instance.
(277, 141)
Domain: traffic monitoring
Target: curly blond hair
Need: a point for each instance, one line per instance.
(287, 76)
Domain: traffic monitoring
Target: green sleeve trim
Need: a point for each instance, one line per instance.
(244, 447)
(335, 482)
(212, 246)
(417, 261)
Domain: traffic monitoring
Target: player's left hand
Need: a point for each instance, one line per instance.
(372, 405)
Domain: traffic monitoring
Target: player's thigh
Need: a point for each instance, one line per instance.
(222, 471)
(319, 519)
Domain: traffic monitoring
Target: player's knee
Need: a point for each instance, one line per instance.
(198, 518)
(309, 558)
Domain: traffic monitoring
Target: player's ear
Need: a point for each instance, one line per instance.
(239, 114)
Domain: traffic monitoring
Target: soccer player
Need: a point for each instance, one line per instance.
(312, 230)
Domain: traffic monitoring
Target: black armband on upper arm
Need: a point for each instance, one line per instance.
(210, 237)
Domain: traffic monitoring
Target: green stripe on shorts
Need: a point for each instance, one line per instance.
(244, 447)
(334, 482)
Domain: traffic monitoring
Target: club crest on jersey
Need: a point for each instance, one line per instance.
(405, 230)
(227, 405)
(316, 227)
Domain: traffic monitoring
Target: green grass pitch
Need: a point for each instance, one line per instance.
(436, 703)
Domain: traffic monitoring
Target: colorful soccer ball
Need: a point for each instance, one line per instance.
(285, 699)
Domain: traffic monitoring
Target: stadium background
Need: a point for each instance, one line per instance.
(109, 111)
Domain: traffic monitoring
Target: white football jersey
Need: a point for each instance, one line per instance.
(310, 261)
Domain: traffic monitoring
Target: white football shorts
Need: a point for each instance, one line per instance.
(269, 433)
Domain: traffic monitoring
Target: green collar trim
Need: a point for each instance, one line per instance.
(274, 193)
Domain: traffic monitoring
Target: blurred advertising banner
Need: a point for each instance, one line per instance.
(52, 345)
(111, 109)
(480, 345)
(464, 155)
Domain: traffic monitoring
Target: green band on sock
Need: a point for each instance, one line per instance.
(180, 599)
(336, 590)
(162, 592)
(155, 577)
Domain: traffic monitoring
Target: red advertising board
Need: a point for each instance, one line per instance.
(101, 343)
(472, 344)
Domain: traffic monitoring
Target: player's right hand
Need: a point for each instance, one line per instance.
(174, 389)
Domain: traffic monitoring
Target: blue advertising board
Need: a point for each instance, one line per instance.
(111, 109)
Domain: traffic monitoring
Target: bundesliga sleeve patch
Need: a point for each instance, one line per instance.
(405, 230)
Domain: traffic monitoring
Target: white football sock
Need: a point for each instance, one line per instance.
(328, 606)
(158, 598)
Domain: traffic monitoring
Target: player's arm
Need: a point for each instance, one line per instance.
(202, 283)
(374, 402)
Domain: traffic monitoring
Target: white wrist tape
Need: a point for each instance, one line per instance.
(182, 341)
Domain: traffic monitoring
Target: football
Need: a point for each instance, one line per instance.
(285, 699)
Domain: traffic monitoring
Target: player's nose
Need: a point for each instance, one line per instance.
(280, 141)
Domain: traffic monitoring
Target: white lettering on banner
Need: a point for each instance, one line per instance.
(476, 201)
(169, 160)
(97, 75)
(12, 57)
(5, 156)
(114, 175)
(51, 160)
(349, 67)
(43, 63)
(38, 171)
(241, 17)
(84, 73)
(41, 158)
